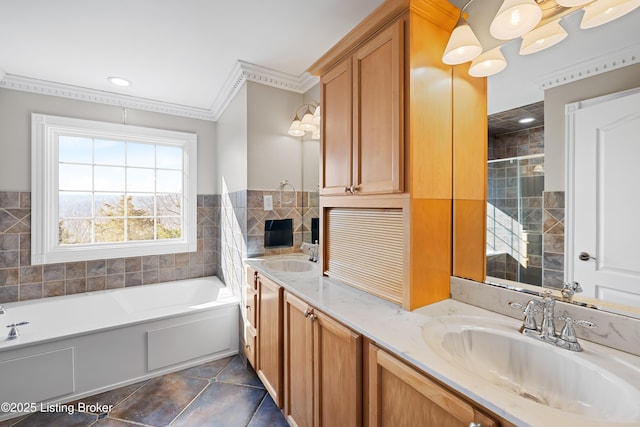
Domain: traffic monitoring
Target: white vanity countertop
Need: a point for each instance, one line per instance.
(400, 332)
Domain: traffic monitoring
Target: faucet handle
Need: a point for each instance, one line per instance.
(516, 305)
(13, 332)
(568, 332)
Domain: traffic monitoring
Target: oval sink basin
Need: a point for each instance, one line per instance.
(291, 265)
(536, 371)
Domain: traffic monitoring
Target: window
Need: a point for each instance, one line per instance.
(104, 190)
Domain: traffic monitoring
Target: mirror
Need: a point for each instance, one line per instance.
(310, 180)
(528, 227)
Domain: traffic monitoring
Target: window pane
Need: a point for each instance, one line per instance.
(169, 228)
(109, 178)
(140, 155)
(109, 152)
(140, 229)
(74, 231)
(109, 204)
(74, 177)
(109, 230)
(168, 181)
(141, 205)
(74, 149)
(169, 157)
(169, 205)
(72, 204)
(140, 180)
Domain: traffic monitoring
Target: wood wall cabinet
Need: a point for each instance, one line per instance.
(323, 368)
(362, 127)
(263, 331)
(400, 396)
(394, 135)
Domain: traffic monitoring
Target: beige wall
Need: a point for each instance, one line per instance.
(15, 133)
(555, 100)
(273, 155)
(231, 154)
(311, 150)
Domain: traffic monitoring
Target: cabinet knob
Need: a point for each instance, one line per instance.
(353, 189)
(347, 189)
(248, 307)
(308, 312)
(313, 317)
(472, 424)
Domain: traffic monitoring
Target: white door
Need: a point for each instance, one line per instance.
(604, 135)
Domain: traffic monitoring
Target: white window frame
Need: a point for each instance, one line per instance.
(45, 247)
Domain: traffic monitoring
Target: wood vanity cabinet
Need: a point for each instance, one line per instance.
(263, 331)
(362, 126)
(322, 369)
(400, 396)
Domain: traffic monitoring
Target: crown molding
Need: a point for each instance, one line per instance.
(612, 60)
(245, 71)
(242, 72)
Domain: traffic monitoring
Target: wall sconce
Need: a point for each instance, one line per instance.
(521, 18)
(310, 121)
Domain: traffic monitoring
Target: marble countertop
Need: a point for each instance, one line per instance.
(401, 332)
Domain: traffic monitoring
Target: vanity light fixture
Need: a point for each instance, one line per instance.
(515, 18)
(119, 81)
(522, 18)
(488, 64)
(542, 38)
(310, 121)
(463, 44)
(602, 11)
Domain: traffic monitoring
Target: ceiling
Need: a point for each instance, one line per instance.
(182, 52)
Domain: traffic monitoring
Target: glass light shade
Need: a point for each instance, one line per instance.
(316, 116)
(515, 18)
(294, 129)
(463, 46)
(306, 123)
(602, 11)
(542, 38)
(489, 63)
(572, 3)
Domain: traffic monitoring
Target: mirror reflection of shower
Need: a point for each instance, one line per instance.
(514, 218)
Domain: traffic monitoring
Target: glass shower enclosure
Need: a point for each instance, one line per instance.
(514, 219)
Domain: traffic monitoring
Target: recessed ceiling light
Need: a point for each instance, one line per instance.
(526, 120)
(119, 81)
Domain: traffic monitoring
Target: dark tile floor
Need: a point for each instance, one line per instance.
(223, 393)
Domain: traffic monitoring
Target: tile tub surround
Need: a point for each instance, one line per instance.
(304, 206)
(400, 332)
(223, 392)
(20, 281)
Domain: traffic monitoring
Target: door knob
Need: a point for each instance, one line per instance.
(584, 256)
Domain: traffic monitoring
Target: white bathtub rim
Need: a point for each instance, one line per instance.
(26, 339)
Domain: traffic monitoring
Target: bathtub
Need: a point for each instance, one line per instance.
(83, 344)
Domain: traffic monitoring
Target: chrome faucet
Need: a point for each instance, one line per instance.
(2, 309)
(314, 252)
(547, 332)
(13, 332)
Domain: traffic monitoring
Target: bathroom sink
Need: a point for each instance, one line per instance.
(536, 371)
(288, 265)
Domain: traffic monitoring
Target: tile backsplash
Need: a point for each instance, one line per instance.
(19, 280)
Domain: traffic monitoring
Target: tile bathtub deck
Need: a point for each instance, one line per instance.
(222, 393)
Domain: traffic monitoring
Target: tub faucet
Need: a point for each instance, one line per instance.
(2, 310)
(13, 332)
(547, 332)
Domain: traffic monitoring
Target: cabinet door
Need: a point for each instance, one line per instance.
(338, 373)
(298, 362)
(336, 99)
(400, 396)
(269, 352)
(378, 142)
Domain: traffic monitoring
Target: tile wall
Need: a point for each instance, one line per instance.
(19, 280)
(553, 217)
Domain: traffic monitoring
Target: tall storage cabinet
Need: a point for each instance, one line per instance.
(398, 125)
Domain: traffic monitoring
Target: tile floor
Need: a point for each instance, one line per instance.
(223, 393)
